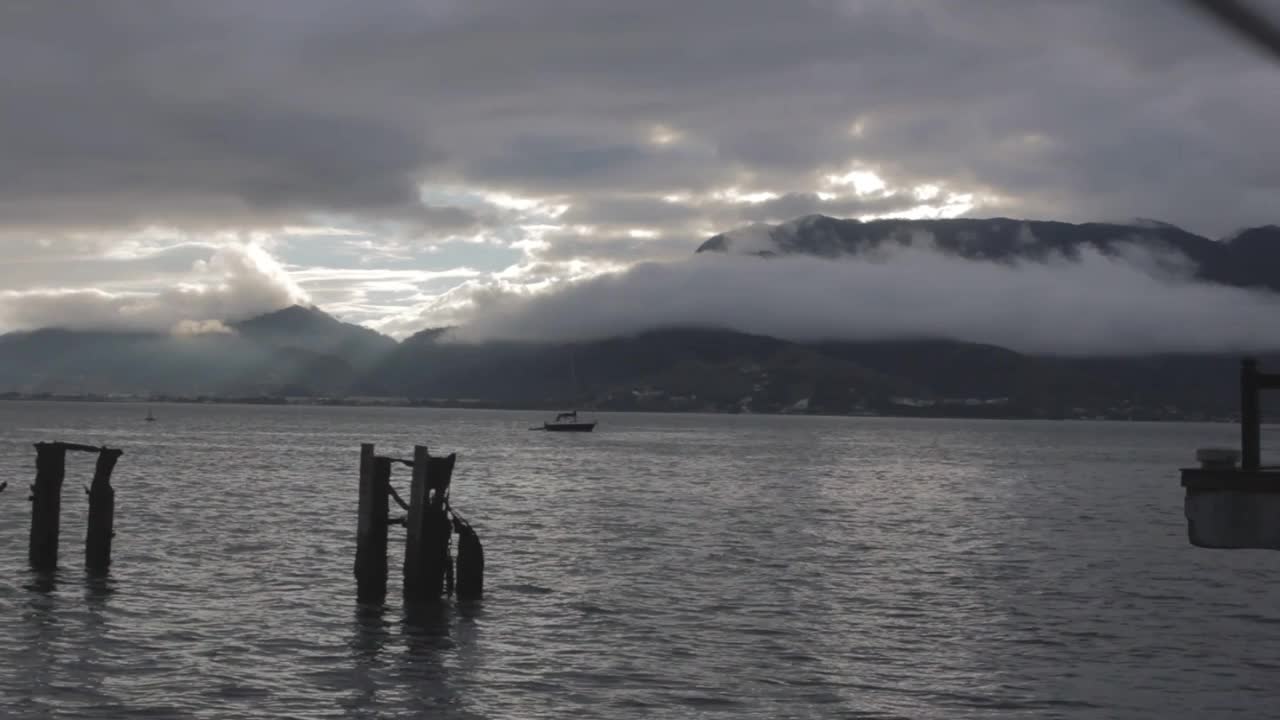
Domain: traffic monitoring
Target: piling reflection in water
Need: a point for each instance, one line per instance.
(368, 642)
(401, 658)
(41, 581)
(426, 631)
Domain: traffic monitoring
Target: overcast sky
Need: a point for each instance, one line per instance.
(390, 160)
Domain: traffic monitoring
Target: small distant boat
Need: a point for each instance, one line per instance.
(568, 422)
(150, 417)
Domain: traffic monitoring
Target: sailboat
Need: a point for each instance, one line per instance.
(568, 421)
(150, 417)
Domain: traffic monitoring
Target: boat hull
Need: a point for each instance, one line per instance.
(569, 427)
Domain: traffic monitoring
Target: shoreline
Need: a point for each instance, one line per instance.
(450, 404)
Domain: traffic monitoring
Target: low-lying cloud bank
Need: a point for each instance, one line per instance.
(1136, 303)
(235, 282)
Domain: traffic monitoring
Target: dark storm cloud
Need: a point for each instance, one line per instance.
(550, 163)
(239, 115)
(192, 111)
(134, 113)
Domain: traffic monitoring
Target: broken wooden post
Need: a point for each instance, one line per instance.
(46, 505)
(470, 584)
(427, 526)
(437, 530)
(102, 509)
(371, 529)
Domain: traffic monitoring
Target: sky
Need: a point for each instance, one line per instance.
(414, 164)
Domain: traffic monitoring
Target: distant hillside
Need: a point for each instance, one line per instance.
(686, 369)
(296, 350)
(1251, 258)
(724, 371)
(302, 351)
(309, 328)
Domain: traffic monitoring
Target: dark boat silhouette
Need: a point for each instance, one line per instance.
(149, 417)
(568, 422)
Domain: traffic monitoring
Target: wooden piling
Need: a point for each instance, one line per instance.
(102, 508)
(437, 528)
(470, 584)
(46, 505)
(371, 527)
(427, 526)
(415, 580)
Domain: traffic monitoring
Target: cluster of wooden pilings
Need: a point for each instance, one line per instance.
(46, 506)
(429, 522)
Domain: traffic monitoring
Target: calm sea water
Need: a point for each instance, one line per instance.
(666, 566)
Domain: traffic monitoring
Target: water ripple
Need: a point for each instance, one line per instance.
(674, 566)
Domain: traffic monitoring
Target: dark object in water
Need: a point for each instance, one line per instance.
(371, 527)
(470, 585)
(46, 505)
(427, 527)
(568, 422)
(1232, 500)
(430, 522)
(102, 514)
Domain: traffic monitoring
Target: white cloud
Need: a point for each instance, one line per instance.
(188, 328)
(863, 182)
(1095, 304)
(235, 282)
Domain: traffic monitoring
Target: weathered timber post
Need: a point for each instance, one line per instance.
(470, 584)
(415, 580)
(102, 513)
(429, 523)
(371, 529)
(46, 505)
(437, 529)
(427, 526)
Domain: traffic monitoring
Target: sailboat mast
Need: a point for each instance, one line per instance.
(573, 373)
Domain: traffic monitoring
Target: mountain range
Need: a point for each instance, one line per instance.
(305, 352)
(1249, 258)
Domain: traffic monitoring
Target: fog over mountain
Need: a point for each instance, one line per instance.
(1125, 291)
(1037, 287)
(995, 318)
(226, 284)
